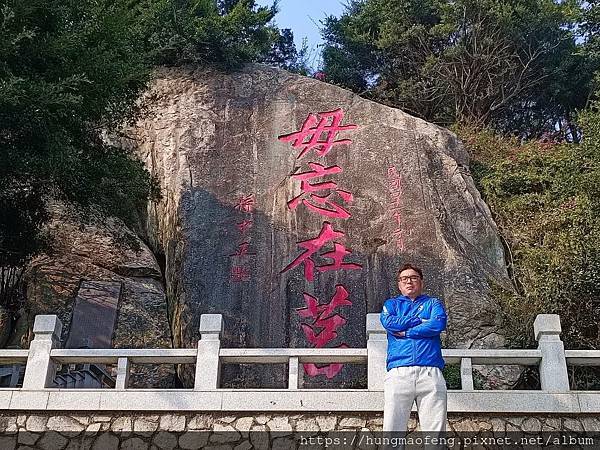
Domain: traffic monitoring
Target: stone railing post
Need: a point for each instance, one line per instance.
(40, 370)
(376, 353)
(122, 381)
(208, 364)
(553, 366)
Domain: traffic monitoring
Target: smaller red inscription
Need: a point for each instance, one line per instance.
(395, 191)
(246, 203)
(395, 184)
(244, 225)
(239, 274)
(243, 249)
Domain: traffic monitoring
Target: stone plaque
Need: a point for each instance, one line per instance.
(94, 314)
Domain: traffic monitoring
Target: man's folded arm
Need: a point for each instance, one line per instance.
(431, 327)
(395, 324)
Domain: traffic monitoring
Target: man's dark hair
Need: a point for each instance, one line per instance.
(410, 266)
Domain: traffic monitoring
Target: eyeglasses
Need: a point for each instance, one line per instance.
(412, 278)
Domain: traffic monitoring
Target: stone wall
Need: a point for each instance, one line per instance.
(57, 431)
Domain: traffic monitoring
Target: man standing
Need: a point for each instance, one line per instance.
(414, 322)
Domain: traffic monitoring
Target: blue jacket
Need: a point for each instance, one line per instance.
(421, 345)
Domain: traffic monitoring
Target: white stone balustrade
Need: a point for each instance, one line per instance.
(45, 354)
(40, 368)
(553, 365)
(208, 363)
(376, 352)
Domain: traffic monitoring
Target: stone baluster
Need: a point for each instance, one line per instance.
(295, 373)
(376, 353)
(466, 374)
(123, 366)
(40, 369)
(553, 366)
(208, 364)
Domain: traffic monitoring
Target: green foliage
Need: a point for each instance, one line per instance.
(590, 28)
(66, 69)
(226, 33)
(70, 69)
(514, 65)
(511, 77)
(452, 376)
(545, 199)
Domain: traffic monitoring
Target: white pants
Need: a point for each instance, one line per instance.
(404, 385)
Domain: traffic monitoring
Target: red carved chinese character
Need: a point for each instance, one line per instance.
(399, 235)
(313, 245)
(395, 184)
(397, 201)
(244, 225)
(330, 370)
(397, 217)
(246, 203)
(310, 189)
(318, 170)
(327, 334)
(314, 310)
(337, 254)
(243, 249)
(239, 273)
(323, 318)
(310, 136)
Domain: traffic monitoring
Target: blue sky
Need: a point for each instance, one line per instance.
(304, 17)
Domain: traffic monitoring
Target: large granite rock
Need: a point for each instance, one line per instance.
(102, 251)
(221, 147)
(5, 326)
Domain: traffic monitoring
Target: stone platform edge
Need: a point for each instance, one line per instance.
(275, 400)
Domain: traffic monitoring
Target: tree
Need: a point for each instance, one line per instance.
(67, 69)
(513, 65)
(545, 198)
(226, 33)
(71, 69)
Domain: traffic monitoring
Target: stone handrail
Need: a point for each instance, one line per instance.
(10, 356)
(45, 354)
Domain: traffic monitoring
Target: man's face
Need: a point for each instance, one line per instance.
(410, 283)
